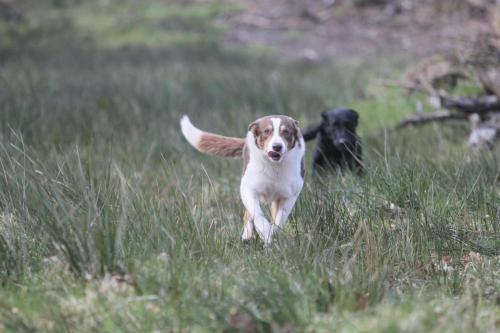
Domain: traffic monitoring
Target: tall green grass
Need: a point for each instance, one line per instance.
(110, 221)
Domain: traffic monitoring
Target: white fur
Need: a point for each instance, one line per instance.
(270, 181)
(191, 133)
(264, 180)
(276, 138)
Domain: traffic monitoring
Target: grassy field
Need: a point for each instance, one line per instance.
(111, 222)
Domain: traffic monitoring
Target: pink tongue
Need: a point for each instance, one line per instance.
(273, 154)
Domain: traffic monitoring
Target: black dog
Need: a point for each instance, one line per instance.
(337, 144)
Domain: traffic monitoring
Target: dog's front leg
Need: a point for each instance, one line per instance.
(284, 208)
(250, 199)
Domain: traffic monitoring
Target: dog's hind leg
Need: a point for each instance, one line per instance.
(274, 209)
(247, 227)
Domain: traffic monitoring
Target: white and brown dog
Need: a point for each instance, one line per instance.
(273, 168)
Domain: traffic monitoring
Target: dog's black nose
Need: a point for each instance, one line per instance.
(277, 147)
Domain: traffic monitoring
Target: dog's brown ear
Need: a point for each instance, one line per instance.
(294, 121)
(253, 127)
(296, 132)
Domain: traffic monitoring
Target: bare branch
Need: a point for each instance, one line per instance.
(468, 105)
(421, 118)
(481, 104)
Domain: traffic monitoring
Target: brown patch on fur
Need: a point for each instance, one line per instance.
(289, 131)
(274, 209)
(221, 146)
(263, 131)
(246, 218)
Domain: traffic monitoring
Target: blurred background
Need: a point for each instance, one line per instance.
(389, 58)
(109, 216)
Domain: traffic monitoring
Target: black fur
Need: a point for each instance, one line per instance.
(337, 144)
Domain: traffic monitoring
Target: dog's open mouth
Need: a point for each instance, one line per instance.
(275, 156)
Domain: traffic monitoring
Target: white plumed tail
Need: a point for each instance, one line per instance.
(209, 143)
(191, 133)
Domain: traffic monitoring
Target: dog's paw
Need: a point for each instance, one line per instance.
(245, 238)
(267, 246)
(264, 229)
(276, 228)
(248, 233)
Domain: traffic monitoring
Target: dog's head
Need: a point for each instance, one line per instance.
(275, 135)
(339, 127)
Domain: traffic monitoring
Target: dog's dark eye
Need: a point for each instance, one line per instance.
(286, 132)
(267, 131)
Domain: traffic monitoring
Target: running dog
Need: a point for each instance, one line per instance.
(337, 144)
(273, 168)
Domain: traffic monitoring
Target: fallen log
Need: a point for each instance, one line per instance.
(469, 105)
(421, 118)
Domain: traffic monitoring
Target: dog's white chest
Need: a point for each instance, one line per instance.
(273, 184)
(273, 181)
